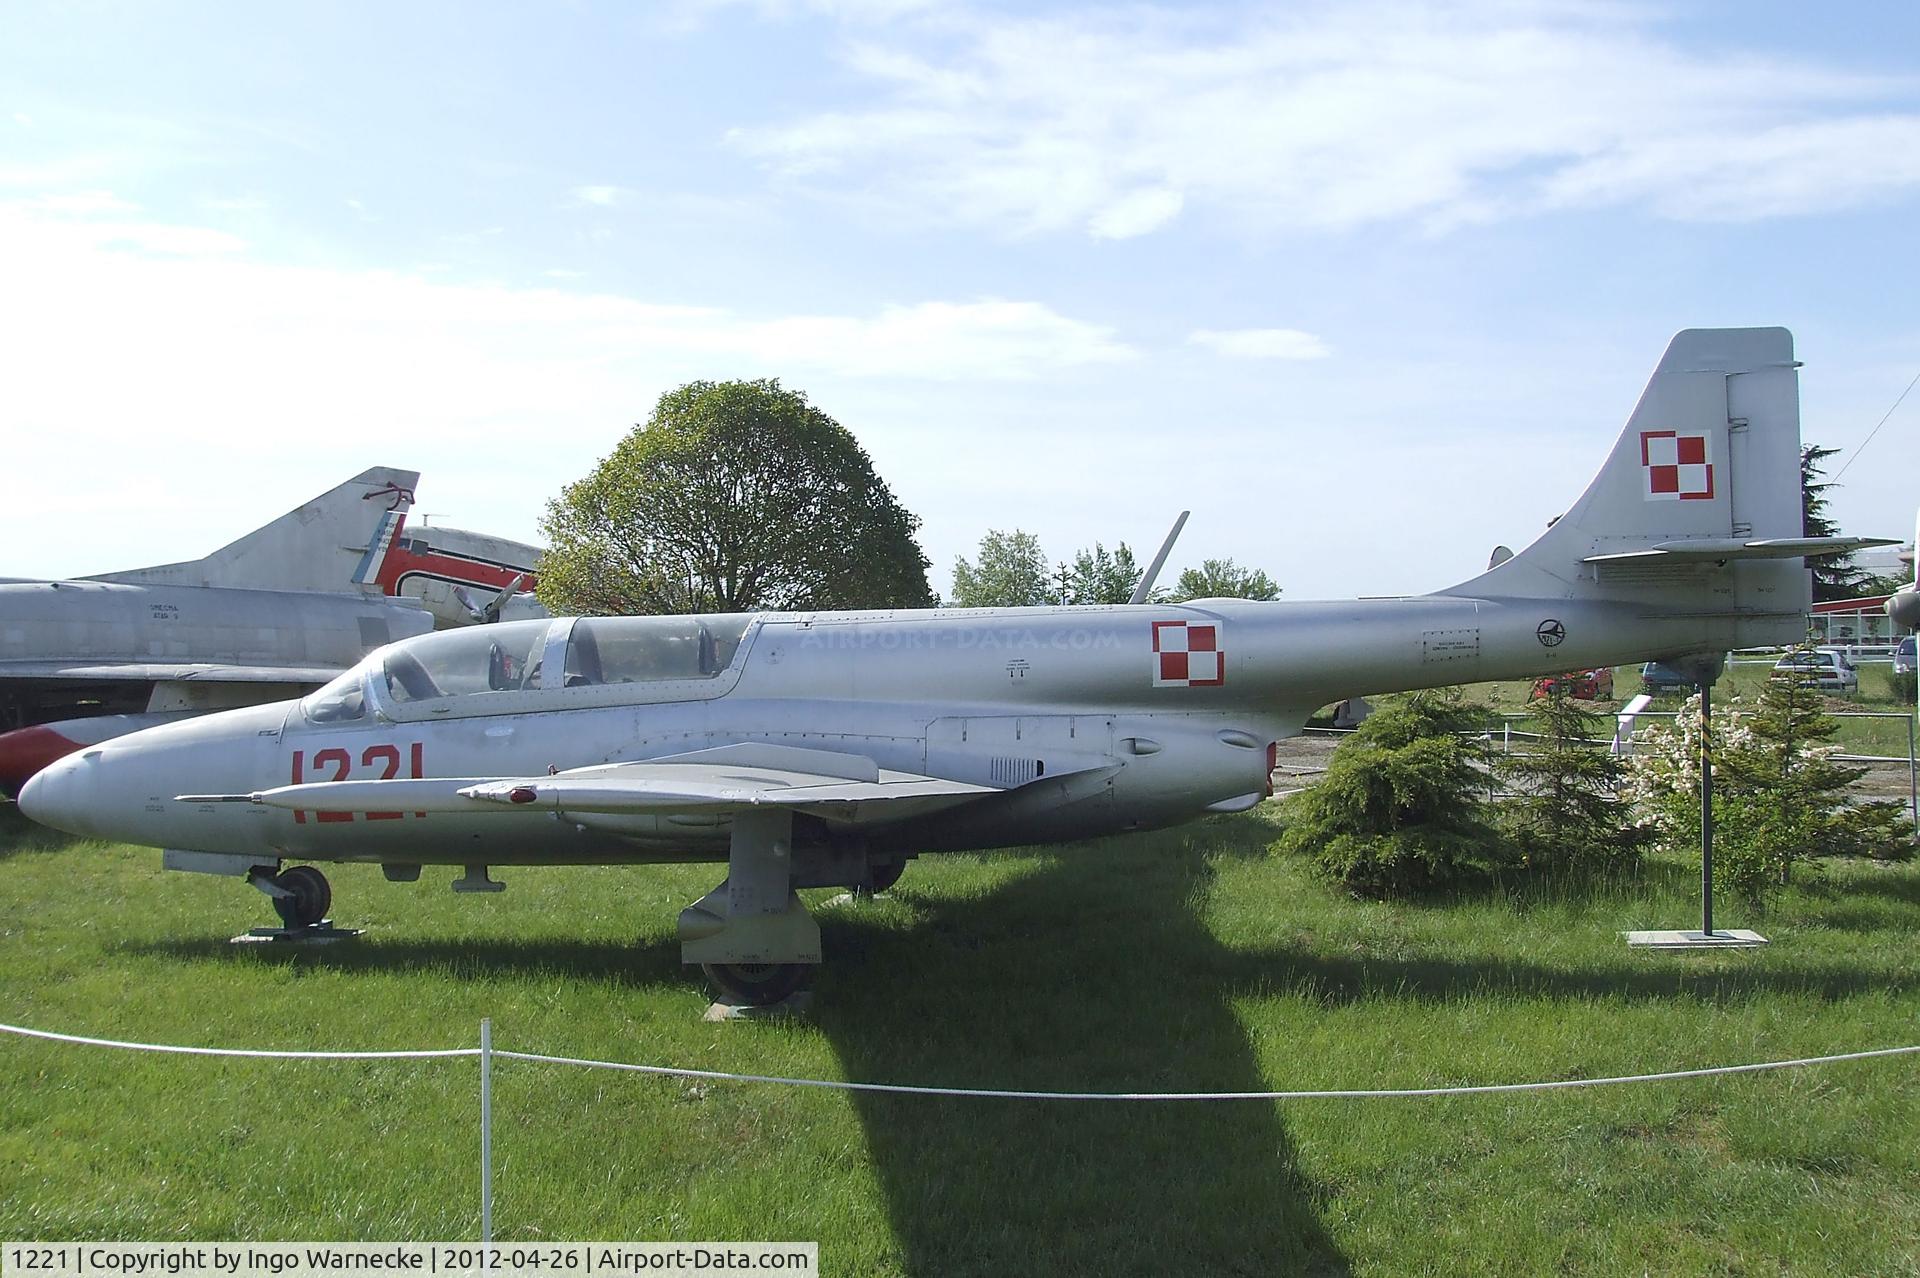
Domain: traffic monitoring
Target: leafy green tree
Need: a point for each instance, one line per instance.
(1566, 808)
(1400, 810)
(1780, 797)
(1873, 585)
(732, 496)
(1836, 577)
(1224, 579)
(1010, 571)
(1096, 577)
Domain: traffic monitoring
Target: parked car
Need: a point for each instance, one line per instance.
(1829, 667)
(1656, 679)
(1903, 662)
(1581, 685)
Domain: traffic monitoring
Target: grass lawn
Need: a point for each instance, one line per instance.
(1185, 960)
(1739, 687)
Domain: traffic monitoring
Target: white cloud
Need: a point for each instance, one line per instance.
(1136, 213)
(83, 203)
(172, 357)
(235, 203)
(595, 196)
(562, 273)
(1338, 116)
(1262, 343)
(199, 332)
(22, 119)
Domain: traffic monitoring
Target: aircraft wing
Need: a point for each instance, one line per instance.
(844, 789)
(634, 788)
(154, 671)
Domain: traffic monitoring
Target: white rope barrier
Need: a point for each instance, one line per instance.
(1370, 1093)
(980, 1093)
(24, 1032)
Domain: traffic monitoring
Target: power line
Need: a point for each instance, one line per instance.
(1876, 428)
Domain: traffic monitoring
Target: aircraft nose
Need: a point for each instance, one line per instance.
(62, 794)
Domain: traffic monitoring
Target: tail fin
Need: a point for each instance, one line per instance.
(1698, 509)
(333, 543)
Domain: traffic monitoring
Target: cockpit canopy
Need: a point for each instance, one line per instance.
(521, 656)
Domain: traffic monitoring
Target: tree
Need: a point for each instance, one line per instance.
(1779, 796)
(1400, 809)
(1096, 577)
(1223, 579)
(1566, 810)
(732, 496)
(1010, 572)
(1835, 577)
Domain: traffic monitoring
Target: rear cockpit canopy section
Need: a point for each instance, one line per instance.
(639, 649)
(432, 672)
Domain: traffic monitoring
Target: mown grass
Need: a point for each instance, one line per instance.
(1188, 960)
(1740, 686)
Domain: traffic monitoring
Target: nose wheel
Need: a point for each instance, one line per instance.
(758, 984)
(303, 898)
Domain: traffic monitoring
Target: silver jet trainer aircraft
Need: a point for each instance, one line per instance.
(819, 749)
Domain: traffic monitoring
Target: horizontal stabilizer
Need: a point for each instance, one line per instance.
(1718, 549)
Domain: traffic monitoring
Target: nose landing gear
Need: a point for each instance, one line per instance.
(300, 895)
(758, 984)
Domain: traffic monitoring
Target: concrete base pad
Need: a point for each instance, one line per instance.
(796, 1004)
(321, 933)
(852, 898)
(1738, 938)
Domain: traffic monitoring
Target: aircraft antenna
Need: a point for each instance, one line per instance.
(1145, 588)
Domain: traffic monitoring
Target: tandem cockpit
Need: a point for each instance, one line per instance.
(521, 666)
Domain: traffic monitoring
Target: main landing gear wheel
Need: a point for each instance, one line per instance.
(758, 984)
(309, 899)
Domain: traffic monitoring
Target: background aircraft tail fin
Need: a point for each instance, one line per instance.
(1698, 508)
(332, 543)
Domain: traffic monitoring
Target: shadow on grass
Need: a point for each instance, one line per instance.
(642, 965)
(1874, 880)
(17, 834)
(1082, 976)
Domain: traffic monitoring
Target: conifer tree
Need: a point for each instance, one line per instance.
(1566, 809)
(1791, 792)
(1400, 810)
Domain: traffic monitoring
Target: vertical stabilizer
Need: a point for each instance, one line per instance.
(332, 543)
(1705, 474)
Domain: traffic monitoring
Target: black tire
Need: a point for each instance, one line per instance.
(758, 984)
(311, 896)
(882, 875)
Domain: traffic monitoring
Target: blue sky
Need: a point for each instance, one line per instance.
(1368, 287)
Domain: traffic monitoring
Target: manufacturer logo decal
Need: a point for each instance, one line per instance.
(1677, 467)
(1550, 633)
(1188, 654)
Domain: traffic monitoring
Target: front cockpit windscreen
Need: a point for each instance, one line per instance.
(458, 663)
(646, 649)
(341, 701)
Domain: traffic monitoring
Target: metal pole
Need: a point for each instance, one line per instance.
(1913, 777)
(1706, 809)
(486, 1130)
